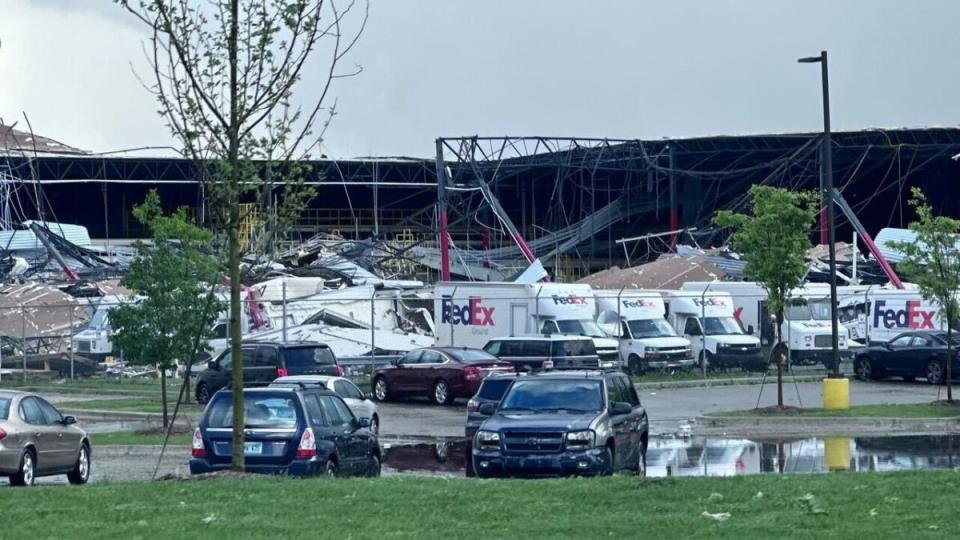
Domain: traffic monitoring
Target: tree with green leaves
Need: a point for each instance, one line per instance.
(172, 279)
(773, 240)
(932, 261)
(225, 76)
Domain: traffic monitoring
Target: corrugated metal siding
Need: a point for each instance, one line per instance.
(24, 240)
(893, 235)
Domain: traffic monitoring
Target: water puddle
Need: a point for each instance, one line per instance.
(700, 456)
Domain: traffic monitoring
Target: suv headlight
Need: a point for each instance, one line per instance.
(488, 439)
(808, 338)
(580, 438)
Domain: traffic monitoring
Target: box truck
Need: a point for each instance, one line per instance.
(637, 320)
(875, 315)
(468, 314)
(807, 330)
(716, 338)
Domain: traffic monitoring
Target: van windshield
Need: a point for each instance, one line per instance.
(720, 326)
(580, 328)
(818, 311)
(99, 320)
(648, 328)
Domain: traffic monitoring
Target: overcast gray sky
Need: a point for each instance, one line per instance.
(618, 69)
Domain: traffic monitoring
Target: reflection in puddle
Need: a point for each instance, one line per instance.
(699, 456)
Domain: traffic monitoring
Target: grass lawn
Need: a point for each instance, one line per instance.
(64, 385)
(127, 438)
(150, 404)
(843, 505)
(901, 410)
(697, 375)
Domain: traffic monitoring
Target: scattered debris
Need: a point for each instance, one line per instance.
(722, 516)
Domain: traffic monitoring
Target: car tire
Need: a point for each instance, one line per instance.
(608, 470)
(642, 461)
(330, 468)
(380, 390)
(469, 467)
(864, 369)
(26, 473)
(375, 424)
(375, 466)
(635, 365)
(441, 393)
(81, 471)
(934, 372)
(703, 363)
(203, 393)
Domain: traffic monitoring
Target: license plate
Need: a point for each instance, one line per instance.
(253, 448)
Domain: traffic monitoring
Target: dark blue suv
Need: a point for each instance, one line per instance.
(296, 431)
(563, 423)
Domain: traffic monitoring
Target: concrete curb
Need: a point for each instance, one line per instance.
(706, 383)
(822, 426)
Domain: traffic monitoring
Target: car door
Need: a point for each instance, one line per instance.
(620, 423)
(42, 437)
(259, 365)
(220, 377)
(636, 418)
(427, 371)
(402, 378)
(64, 440)
(922, 348)
(359, 406)
(343, 430)
(322, 420)
(897, 357)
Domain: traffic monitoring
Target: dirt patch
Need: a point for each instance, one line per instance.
(211, 476)
(778, 411)
(177, 430)
(944, 403)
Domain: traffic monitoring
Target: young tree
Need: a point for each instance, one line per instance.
(774, 241)
(172, 279)
(224, 75)
(932, 261)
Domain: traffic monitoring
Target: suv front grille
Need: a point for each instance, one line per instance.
(530, 441)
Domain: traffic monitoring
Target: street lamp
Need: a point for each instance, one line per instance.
(826, 190)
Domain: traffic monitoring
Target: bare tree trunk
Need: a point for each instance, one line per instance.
(233, 238)
(163, 396)
(778, 348)
(949, 371)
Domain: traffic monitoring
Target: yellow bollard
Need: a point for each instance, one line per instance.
(836, 453)
(836, 394)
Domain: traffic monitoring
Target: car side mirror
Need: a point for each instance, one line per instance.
(213, 365)
(487, 409)
(363, 422)
(368, 396)
(69, 420)
(750, 329)
(620, 408)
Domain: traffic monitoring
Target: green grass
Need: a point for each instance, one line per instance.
(128, 438)
(902, 410)
(126, 385)
(842, 505)
(150, 404)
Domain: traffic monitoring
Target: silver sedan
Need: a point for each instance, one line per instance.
(359, 403)
(36, 440)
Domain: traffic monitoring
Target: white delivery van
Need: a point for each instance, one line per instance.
(716, 337)
(94, 341)
(878, 314)
(637, 319)
(807, 330)
(468, 314)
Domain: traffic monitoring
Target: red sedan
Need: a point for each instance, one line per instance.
(440, 373)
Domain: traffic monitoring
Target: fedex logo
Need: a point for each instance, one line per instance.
(912, 317)
(569, 299)
(640, 302)
(709, 302)
(471, 314)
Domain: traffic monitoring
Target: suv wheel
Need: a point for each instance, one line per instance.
(635, 365)
(608, 470)
(380, 392)
(642, 461)
(441, 393)
(374, 469)
(330, 469)
(25, 474)
(203, 393)
(81, 471)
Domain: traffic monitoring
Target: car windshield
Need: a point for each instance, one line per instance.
(720, 326)
(493, 389)
(100, 321)
(648, 328)
(471, 356)
(261, 410)
(554, 395)
(4, 407)
(582, 328)
(301, 359)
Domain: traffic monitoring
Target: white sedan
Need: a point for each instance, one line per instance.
(359, 403)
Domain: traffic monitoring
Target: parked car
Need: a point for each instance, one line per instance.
(546, 352)
(361, 405)
(36, 440)
(264, 361)
(295, 431)
(441, 373)
(491, 391)
(910, 355)
(563, 423)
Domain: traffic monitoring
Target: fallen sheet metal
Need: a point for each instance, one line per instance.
(42, 315)
(668, 272)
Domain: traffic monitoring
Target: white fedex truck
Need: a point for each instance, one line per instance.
(468, 314)
(807, 330)
(716, 337)
(874, 315)
(637, 319)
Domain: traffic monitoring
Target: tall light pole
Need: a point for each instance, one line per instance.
(826, 190)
